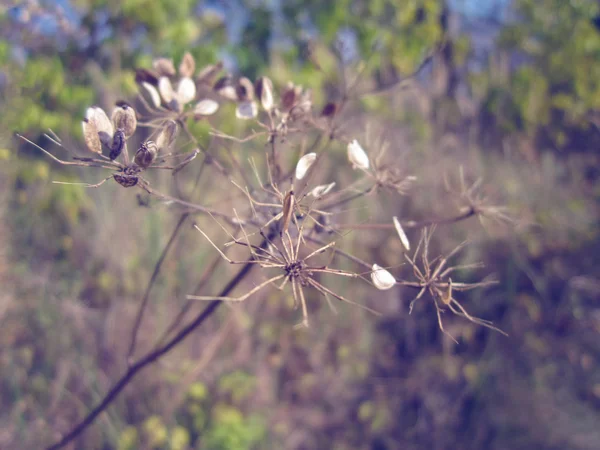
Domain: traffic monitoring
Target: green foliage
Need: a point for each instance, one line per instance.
(232, 430)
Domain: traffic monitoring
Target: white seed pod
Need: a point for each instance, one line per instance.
(208, 73)
(206, 107)
(167, 136)
(401, 233)
(90, 136)
(153, 92)
(322, 190)
(264, 91)
(123, 118)
(381, 278)
(304, 164)
(246, 110)
(187, 67)
(357, 156)
(164, 67)
(146, 154)
(166, 89)
(244, 90)
(103, 125)
(186, 90)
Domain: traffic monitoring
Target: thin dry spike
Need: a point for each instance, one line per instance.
(414, 300)
(445, 259)
(303, 303)
(340, 272)
(441, 325)
(319, 250)
(86, 185)
(323, 290)
(237, 299)
(416, 270)
(67, 163)
(463, 312)
(449, 270)
(223, 255)
(288, 210)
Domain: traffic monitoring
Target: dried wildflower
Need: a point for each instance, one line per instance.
(382, 279)
(357, 156)
(304, 164)
(401, 233)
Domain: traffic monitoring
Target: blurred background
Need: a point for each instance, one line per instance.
(513, 96)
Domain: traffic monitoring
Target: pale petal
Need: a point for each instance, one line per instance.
(304, 164)
(154, 95)
(246, 110)
(166, 89)
(321, 190)
(186, 90)
(357, 156)
(401, 233)
(206, 107)
(381, 278)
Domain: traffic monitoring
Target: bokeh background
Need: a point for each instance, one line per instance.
(513, 97)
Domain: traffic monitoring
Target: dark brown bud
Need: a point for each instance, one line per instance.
(146, 154)
(329, 110)
(126, 180)
(117, 145)
(146, 76)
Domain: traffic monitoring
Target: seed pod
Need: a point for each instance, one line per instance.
(244, 90)
(126, 180)
(290, 96)
(103, 125)
(118, 143)
(208, 73)
(264, 91)
(90, 136)
(447, 296)
(123, 118)
(224, 86)
(167, 136)
(206, 107)
(187, 67)
(381, 278)
(154, 95)
(164, 67)
(304, 164)
(357, 156)
(146, 76)
(146, 154)
(321, 190)
(288, 209)
(166, 89)
(329, 110)
(401, 233)
(186, 90)
(246, 110)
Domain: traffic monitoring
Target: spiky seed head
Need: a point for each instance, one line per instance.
(164, 67)
(207, 74)
(187, 67)
(186, 90)
(322, 190)
(167, 136)
(118, 143)
(153, 92)
(357, 156)
(146, 154)
(123, 117)
(304, 164)
(264, 91)
(244, 90)
(381, 278)
(246, 110)
(206, 107)
(103, 125)
(401, 233)
(90, 136)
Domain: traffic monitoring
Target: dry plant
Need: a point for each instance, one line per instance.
(284, 232)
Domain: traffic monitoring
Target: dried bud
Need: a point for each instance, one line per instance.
(302, 106)
(288, 209)
(290, 96)
(304, 164)
(118, 143)
(154, 95)
(246, 110)
(224, 87)
(186, 91)
(146, 154)
(322, 190)
(166, 137)
(401, 233)
(103, 125)
(208, 74)
(206, 107)
(146, 76)
(329, 110)
(187, 66)
(90, 136)
(264, 91)
(244, 90)
(357, 156)
(381, 278)
(126, 180)
(123, 118)
(164, 67)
